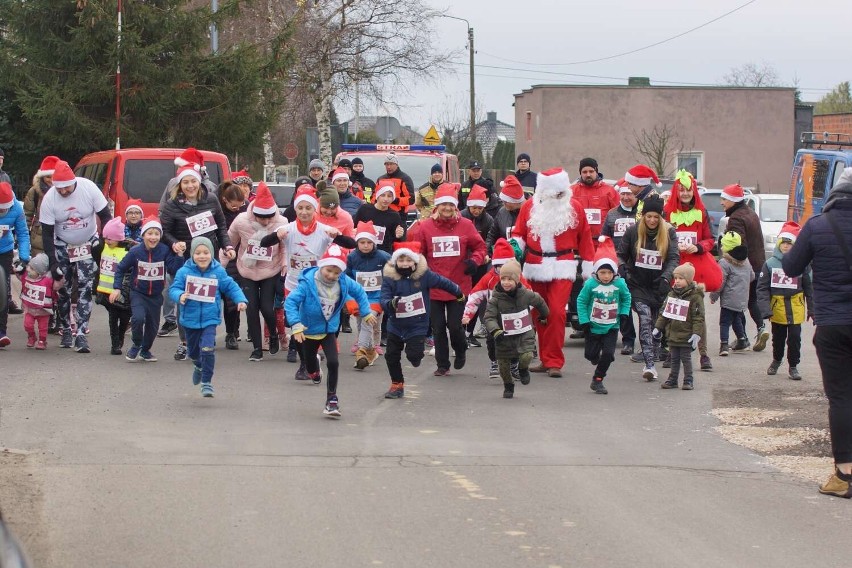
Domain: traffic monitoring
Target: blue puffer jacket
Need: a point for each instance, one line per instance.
(140, 253)
(349, 202)
(198, 315)
(303, 304)
(817, 246)
(374, 262)
(14, 221)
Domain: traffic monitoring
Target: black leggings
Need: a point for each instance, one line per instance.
(834, 351)
(792, 335)
(261, 301)
(413, 348)
(310, 347)
(600, 350)
(753, 307)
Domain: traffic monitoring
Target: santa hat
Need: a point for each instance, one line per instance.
(789, 231)
(339, 173)
(642, 175)
(306, 193)
(733, 192)
(366, 230)
(264, 204)
(334, 256)
(48, 164)
(511, 190)
(384, 188)
(553, 181)
(63, 175)
(503, 252)
(447, 193)
(133, 204)
(605, 256)
(477, 197)
(7, 196)
(152, 223)
(241, 177)
(411, 249)
(188, 171)
(114, 229)
(190, 157)
(622, 187)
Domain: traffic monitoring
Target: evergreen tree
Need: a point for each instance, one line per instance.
(839, 100)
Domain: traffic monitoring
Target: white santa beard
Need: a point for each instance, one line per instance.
(551, 217)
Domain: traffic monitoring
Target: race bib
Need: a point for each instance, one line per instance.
(380, 233)
(301, 262)
(676, 309)
(76, 253)
(201, 223)
(649, 259)
(201, 289)
(410, 306)
(370, 281)
(593, 216)
(781, 280)
(327, 308)
(621, 225)
(4, 229)
(516, 323)
(604, 314)
(446, 246)
(34, 293)
(509, 232)
(108, 266)
(151, 271)
(256, 252)
(687, 238)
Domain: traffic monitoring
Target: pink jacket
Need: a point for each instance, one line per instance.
(253, 261)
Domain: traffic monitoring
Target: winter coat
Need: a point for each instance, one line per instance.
(342, 221)
(481, 291)
(173, 217)
(617, 221)
(528, 180)
(471, 250)
(745, 222)
(303, 305)
(483, 223)
(387, 220)
(195, 314)
(737, 277)
(349, 202)
(243, 233)
(362, 186)
(693, 227)
(31, 293)
(647, 285)
(493, 202)
(133, 232)
(817, 246)
(597, 201)
(502, 304)
(669, 321)
(140, 282)
(422, 281)
(32, 206)
(781, 298)
(13, 227)
(601, 305)
(403, 186)
(504, 222)
(366, 270)
(111, 257)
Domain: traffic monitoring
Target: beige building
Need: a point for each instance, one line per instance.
(722, 134)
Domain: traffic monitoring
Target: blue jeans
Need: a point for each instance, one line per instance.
(169, 307)
(200, 347)
(145, 318)
(730, 318)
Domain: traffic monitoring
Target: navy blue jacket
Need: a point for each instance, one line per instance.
(359, 262)
(817, 246)
(349, 202)
(422, 280)
(130, 264)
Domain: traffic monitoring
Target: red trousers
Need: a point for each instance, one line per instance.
(551, 337)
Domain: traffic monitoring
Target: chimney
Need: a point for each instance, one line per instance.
(639, 81)
(491, 117)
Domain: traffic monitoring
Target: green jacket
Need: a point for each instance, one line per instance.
(669, 321)
(502, 304)
(601, 304)
(781, 298)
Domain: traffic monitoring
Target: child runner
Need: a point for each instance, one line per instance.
(37, 299)
(147, 264)
(737, 276)
(364, 265)
(509, 321)
(602, 304)
(199, 287)
(483, 222)
(782, 299)
(115, 249)
(313, 310)
(133, 221)
(682, 319)
(406, 289)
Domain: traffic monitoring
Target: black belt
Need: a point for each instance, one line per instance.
(552, 254)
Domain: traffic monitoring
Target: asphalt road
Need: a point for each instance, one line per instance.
(121, 464)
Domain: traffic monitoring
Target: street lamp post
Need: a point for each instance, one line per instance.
(472, 86)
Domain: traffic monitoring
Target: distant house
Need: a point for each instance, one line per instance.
(488, 133)
(387, 128)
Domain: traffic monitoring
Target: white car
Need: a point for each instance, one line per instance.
(772, 210)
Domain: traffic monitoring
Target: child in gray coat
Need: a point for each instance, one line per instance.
(737, 276)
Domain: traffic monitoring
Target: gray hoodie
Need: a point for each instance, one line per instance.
(737, 276)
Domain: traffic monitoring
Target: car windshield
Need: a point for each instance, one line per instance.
(773, 210)
(418, 167)
(712, 201)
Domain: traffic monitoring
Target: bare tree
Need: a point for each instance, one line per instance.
(752, 75)
(452, 120)
(658, 147)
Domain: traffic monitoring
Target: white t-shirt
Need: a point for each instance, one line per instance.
(73, 217)
(303, 251)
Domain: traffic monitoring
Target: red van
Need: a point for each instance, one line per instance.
(142, 173)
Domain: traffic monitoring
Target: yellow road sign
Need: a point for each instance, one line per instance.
(432, 137)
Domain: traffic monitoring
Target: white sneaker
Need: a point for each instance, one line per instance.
(431, 351)
(649, 374)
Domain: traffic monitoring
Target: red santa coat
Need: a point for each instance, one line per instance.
(596, 201)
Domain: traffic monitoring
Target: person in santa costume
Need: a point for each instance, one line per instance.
(552, 232)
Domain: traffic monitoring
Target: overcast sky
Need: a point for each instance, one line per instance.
(806, 42)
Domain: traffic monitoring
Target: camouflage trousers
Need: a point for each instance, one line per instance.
(82, 273)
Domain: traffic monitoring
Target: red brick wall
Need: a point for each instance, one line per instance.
(837, 123)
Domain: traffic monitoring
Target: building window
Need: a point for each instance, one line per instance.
(693, 162)
(529, 126)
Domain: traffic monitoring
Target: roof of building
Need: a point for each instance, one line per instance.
(489, 132)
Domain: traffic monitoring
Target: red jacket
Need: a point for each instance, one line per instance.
(596, 200)
(447, 245)
(698, 233)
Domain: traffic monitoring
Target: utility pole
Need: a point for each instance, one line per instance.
(472, 82)
(214, 33)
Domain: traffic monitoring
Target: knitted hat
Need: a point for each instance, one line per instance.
(151, 223)
(411, 249)
(390, 158)
(436, 169)
(447, 193)
(190, 170)
(339, 173)
(63, 175)
(553, 181)
(7, 196)
(730, 241)
(789, 232)
(733, 192)
(133, 204)
(653, 204)
(200, 241)
(48, 164)
(641, 174)
(605, 256)
(366, 230)
(523, 156)
(40, 263)
(329, 198)
(356, 161)
(241, 177)
(511, 270)
(385, 188)
(114, 229)
(316, 163)
(477, 197)
(685, 271)
(588, 163)
(190, 157)
(334, 256)
(503, 252)
(511, 190)
(739, 253)
(306, 193)
(344, 163)
(264, 204)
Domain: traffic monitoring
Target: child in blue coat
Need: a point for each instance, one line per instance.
(313, 311)
(405, 298)
(199, 287)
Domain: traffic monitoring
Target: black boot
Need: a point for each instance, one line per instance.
(508, 390)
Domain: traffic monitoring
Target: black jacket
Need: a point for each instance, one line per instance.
(483, 223)
(487, 183)
(173, 217)
(647, 285)
(504, 221)
(528, 179)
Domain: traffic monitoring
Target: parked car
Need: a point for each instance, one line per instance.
(772, 210)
